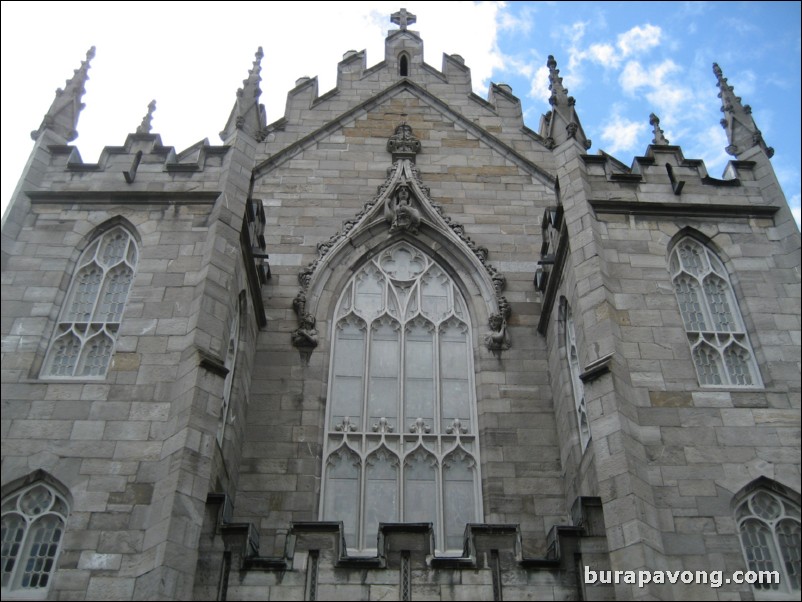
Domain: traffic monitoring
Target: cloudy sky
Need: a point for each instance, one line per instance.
(621, 60)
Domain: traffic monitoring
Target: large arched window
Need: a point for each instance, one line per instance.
(769, 527)
(720, 347)
(33, 529)
(577, 387)
(401, 441)
(90, 318)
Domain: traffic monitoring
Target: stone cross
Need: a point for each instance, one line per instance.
(403, 18)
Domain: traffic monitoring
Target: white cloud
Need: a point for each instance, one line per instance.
(639, 39)
(663, 93)
(521, 23)
(540, 84)
(604, 54)
(622, 134)
(634, 77)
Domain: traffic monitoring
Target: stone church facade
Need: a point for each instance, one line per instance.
(397, 345)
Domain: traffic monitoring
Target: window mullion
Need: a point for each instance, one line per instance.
(438, 420)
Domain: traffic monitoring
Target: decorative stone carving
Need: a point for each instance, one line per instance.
(456, 428)
(659, 135)
(383, 426)
(420, 427)
(145, 126)
(397, 197)
(403, 18)
(305, 336)
(403, 143)
(498, 339)
(398, 210)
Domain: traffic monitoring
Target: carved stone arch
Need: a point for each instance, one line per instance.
(462, 267)
(113, 222)
(701, 238)
(768, 484)
(767, 519)
(37, 476)
(94, 233)
(402, 203)
(83, 246)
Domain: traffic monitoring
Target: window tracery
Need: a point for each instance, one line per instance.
(90, 319)
(33, 521)
(401, 442)
(769, 528)
(719, 344)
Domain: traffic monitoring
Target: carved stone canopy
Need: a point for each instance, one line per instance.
(404, 202)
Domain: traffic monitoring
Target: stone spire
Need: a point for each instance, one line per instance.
(742, 132)
(659, 135)
(562, 122)
(248, 114)
(62, 117)
(559, 95)
(144, 127)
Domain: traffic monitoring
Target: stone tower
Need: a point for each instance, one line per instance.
(398, 345)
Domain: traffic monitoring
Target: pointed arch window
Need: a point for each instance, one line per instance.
(577, 386)
(403, 65)
(90, 319)
(769, 528)
(33, 521)
(719, 344)
(401, 441)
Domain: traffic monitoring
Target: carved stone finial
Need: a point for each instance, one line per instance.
(402, 18)
(403, 144)
(345, 426)
(145, 126)
(742, 132)
(383, 426)
(561, 123)
(420, 427)
(248, 115)
(558, 91)
(62, 117)
(659, 137)
(456, 428)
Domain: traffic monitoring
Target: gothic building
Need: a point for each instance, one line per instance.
(398, 345)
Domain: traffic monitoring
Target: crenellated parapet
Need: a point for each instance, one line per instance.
(122, 167)
(664, 182)
(402, 70)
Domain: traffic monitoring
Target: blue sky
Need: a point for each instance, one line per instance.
(620, 60)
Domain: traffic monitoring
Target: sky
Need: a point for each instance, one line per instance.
(620, 60)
